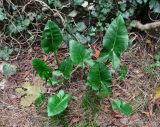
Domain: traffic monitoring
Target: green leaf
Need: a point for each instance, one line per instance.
(81, 26)
(66, 67)
(57, 77)
(51, 37)
(140, 1)
(78, 2)
(105, 90)
(155, 5)
(90, 62)
(2, 14)
(83, 39)
(115, 42)
(44, 71)
(18, 25)
(121, 105)
(133, 23)
(57, 3)
(53, 81)
(115, 62)
(78, 53)
(57, 73)
(8, 69)
(98, 76)
(123, 6)
(58, 103)
(5, 53)
(123, 73)
(39, 99)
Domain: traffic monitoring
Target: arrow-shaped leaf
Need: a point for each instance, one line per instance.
(66, 67)
(44, 71)
(78, 53)
(115, 42)
(99, 78)
(51, 37)
(58, 103)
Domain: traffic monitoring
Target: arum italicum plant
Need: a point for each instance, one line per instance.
(99, 78)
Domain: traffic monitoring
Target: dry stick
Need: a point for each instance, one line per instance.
(147, 26)
(45, 5)
(20, 47)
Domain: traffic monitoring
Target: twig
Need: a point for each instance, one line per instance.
(147, 26)
(19, 47)
(45, 5)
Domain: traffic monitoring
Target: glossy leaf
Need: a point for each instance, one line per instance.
(51, 37)
(98, 76)
(44, 71)
(122, 106)
(58, 103)
(115, 42)
(78, 53)
(115, 62)
(66, 67)
(90, 62)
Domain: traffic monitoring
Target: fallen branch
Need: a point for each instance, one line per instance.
(147, 26)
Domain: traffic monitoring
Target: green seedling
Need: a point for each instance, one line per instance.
(99, 78)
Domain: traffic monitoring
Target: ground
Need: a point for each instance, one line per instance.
(84, 110)
(138, 89)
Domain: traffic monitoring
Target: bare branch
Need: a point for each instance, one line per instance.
(147, 26)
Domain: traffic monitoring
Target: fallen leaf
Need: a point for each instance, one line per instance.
(30, 92)
(157, 93)
(96, 52)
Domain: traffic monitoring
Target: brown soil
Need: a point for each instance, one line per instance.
(137, 89)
